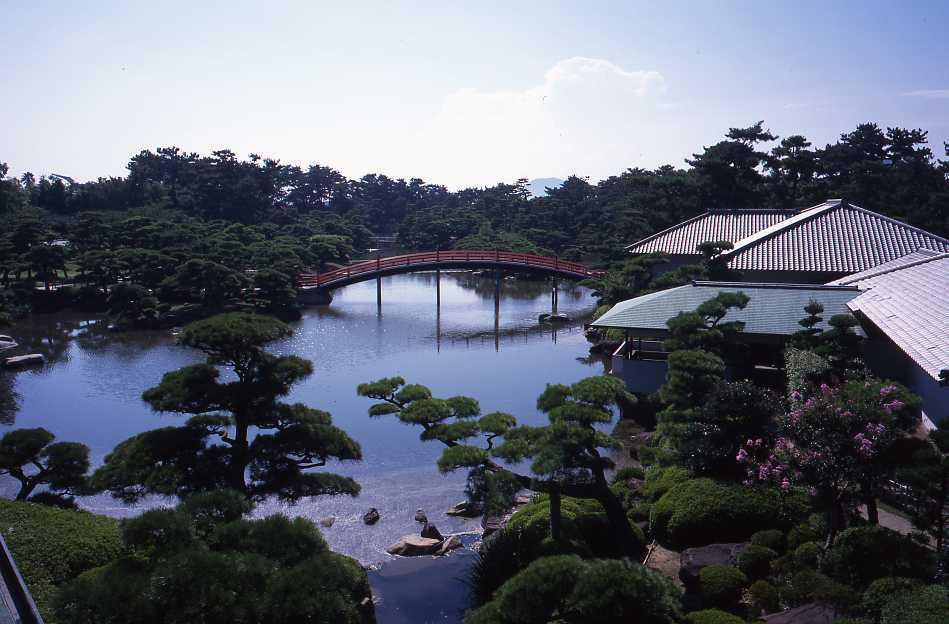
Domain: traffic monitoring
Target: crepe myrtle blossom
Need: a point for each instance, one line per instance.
(833, 436)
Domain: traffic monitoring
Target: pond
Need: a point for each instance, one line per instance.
(90, 389)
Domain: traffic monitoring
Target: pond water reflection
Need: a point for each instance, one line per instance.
(89, 390)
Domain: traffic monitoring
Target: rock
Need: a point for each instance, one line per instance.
(449, 545)
(414, 546)
(327, 522)
(490, 524)
(694, 559)
(812, 613)
(420, 516)
(431, 531)
(665, 562)
(464, 509)
(521, 500)
(372, 516)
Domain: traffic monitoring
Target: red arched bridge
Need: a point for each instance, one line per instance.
(315, 287)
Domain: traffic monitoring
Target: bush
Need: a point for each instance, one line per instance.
(712, 616)
(771, 538)
(703, 511)
(585, 532)
(600, 591)
(721, 586)
(808, 554)
(274, 570)
(755, 561)
(811, 530)
(52, 546)
(882, 591)
(764, 596)
(812, 586)
(861, 555)
(629, 472)
(929, 605)
(660, 480)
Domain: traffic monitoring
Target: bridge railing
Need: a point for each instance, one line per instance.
(309, 280)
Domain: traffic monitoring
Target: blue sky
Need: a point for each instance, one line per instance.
(456, 93)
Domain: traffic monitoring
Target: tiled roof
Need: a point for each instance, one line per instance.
(717, 225)
(920, 255)
(910, 304)
(833, 237)
(773, 309)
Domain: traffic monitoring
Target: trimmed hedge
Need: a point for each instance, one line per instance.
(861, 555)
(755, 561)
(812, 586)
(764, 596)
(770, 538)
(52, 546)
(703, 511)
(721, 586)
(884, 590)
(712, 616)
(929, 605)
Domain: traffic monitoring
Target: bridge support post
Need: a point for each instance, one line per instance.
(379, 294)
(554, 296)
(438, 288)
(497, 309)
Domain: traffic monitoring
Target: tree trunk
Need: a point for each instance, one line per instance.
(873, 513)
(239, 457)
(622, 530)
(555, 512)
(26, 488)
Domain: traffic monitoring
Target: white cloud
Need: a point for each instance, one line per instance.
(936, 94)
(588, 116)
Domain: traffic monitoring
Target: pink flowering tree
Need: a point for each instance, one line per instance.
(839, 442)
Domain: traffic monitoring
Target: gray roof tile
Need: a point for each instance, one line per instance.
(910, 304)
(716, 225)
(773, 309)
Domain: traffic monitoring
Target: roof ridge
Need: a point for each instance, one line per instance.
(859, 277)
(774, 285)
(804, 215)
(665, 231)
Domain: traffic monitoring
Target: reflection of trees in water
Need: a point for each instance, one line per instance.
(525, 287)
(9, 399)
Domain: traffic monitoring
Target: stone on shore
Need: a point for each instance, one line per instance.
(464, 509)
(371, 516)
(449, 545)
(327, 522)
(414, 546)
(420, 516)
(431, 531)
(693, 560)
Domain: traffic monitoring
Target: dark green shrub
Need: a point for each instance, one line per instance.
(712, 616)
(703, 511)
(569, 589)
(755, 561)
(629, 472)
(928, 605)
(808, 554)
(721, 586)
(812, 586)
(660, 480)
(882, 591)
(585, 532)
(274, 570)
(811, 530)
(764, 596)
(770, 538)
(863, 554)
(52, 546)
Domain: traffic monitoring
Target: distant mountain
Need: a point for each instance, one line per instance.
(539, 186)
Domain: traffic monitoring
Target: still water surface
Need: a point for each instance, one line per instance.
(90, 389)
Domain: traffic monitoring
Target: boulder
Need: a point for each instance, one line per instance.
(522, 499)
(327, 522)
(694, 559)
(449, 545)
(464, 509)
(490, 524)
(371, 516)
(420, 516)
(812, 613)
(431, 531)
(414, 546)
